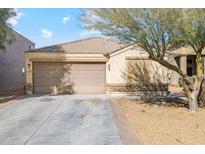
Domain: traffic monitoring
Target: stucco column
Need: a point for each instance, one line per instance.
(29, 77)
(183, 64)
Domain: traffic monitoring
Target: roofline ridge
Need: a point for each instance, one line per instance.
(69, 42)
(109, 39)
(18, 33)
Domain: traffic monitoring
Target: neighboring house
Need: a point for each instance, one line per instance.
(93, 65)
(12, 65)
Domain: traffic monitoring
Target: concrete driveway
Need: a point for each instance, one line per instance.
(64, 119)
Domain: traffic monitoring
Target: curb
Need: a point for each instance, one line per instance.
(126, 133)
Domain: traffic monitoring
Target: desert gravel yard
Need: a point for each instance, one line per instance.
(154, 124)
(64, 119)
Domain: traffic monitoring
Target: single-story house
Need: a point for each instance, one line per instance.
(93, 65)
(12, 64)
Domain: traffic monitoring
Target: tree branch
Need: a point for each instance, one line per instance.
(172, 67)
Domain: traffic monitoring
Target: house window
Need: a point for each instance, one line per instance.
(190, 61)
(189, 71)
(191, 65)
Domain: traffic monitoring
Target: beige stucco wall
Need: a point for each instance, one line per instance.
(148, 71)
(11, 63)
(174, 77)
(183, 66)
(118, 62)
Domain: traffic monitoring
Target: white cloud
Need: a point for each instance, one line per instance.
(91, 33)
(14, 20)
(65, 19)
(46, 33)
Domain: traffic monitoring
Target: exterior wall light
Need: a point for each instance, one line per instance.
(23, 71)
(29, 67)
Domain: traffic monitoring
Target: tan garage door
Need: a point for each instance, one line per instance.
(85, 77)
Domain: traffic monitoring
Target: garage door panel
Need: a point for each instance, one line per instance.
(48, 66)
(43, 89)
(87, 66)
(80, 77)
(84, 90)
(47, 82)
(48, 75)
(88, 74)
(85, 77)
(82, 82)
(88, 78)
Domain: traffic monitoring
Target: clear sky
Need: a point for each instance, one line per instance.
(50, 26)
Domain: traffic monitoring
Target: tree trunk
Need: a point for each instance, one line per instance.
(192, 89)
(193, 100)
(193, 104)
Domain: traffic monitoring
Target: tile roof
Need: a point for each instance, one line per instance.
(93, 45)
